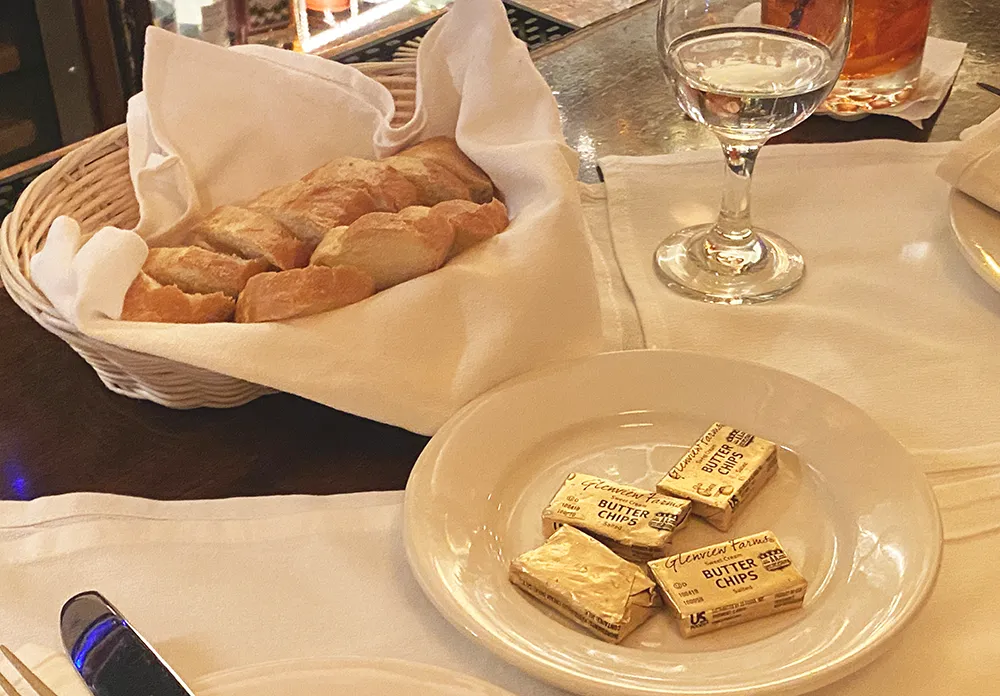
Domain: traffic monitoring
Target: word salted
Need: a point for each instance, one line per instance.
(636, 524)
(729, 583)
(724, 469)
(586, 582)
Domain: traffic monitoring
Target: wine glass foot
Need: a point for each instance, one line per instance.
(759, 272)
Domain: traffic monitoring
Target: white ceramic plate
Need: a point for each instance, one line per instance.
(977, 229)
(338, 676)
(848, 503)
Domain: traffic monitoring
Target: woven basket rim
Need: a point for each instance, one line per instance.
(132, 373)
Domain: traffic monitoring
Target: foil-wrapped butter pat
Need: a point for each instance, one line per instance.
(635, 523)
(724, 469)
(586, 582)
(729, 583)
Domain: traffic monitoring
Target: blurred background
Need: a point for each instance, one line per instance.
(68, 67)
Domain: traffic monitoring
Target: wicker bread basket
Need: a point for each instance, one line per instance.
(92, 185)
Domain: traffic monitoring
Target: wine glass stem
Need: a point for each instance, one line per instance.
(733, 229)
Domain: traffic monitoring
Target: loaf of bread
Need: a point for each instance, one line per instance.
(199, 271)
(300, 292)
(471, 222)
(252, 235)
(446, 153)
(364, 225)
(309, 209)
(390, 190)
(148, 300)
(390, 247)
(434, 183)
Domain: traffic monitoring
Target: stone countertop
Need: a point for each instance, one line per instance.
(614, 99)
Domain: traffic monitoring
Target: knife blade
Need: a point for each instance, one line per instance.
(111, 657)
(989, 88)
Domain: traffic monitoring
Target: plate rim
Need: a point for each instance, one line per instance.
(224, 677)
(847, 664)
(991, 279)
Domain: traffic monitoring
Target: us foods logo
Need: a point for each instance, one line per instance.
(774, 559)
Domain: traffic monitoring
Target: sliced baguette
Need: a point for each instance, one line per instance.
(434, 183)
(472, 222)
(301, 292)
(391, 248)
(197, 270)
(446, 153)
(148, 300)
(252, 235)
(310, 210)
(390, 190)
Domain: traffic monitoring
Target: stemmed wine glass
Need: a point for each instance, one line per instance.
(748, 71)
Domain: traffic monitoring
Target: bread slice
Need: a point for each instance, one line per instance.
(446, 153)
(434, 183)
(472, 222)
(300, 292)
(197, 270)
(148, 300)
(391, 190)
(391, 248)
(251, 234)
(311, 209)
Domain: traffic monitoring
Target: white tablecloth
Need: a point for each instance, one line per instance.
(889, 316)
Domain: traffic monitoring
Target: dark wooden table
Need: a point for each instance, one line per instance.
(62, 431)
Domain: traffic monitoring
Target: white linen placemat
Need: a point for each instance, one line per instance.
(889, 315)
(228, 583)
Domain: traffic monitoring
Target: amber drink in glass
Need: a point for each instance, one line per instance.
(887, 48)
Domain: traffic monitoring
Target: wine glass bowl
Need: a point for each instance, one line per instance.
(746, 81)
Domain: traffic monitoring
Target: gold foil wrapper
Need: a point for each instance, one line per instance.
(635, 523)
(724, 469)
(729, 583)
(586, 582)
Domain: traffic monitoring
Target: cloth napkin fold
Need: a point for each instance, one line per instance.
(973, 166)
(228, 583)
(255, 117)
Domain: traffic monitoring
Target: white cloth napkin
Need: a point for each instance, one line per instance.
(973, 166)
(942, 59)
(230, 583)
(216, 126)
(889, 315)
(221, 584)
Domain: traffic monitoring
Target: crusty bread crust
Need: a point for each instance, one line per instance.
(301, 292)
(390, 247)
(446, 153)
(147, 300)
(390, 190)
(252, 235)
(197, 270)
(471, 222)
(311, 209)
(434, 183)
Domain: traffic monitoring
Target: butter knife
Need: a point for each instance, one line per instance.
(110, 655)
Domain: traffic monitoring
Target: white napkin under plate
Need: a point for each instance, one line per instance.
(973, 166)
(217, 126)
(230, 583)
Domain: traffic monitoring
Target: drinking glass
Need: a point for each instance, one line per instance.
(746, 81)
(887, 48)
